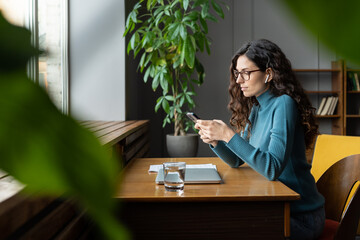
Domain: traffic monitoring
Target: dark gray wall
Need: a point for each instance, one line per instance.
(212, 96)
(246, 20)
(140, 100)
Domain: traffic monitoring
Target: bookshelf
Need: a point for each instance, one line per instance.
(335, 82)
(321, 83)
(351, 102)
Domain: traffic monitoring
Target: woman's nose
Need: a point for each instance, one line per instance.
(239, 79)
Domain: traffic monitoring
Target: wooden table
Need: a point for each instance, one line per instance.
(245, 206)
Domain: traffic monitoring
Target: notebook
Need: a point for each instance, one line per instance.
(195, 176)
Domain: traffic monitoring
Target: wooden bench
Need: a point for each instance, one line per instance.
(25, 217)
(128, 139)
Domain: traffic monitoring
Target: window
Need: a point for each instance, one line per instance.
(52, 37)
(47, 20)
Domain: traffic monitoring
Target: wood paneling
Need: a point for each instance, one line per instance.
(204, 220)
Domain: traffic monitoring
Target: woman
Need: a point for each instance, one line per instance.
(275, 124)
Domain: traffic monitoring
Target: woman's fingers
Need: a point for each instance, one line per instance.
(204, 124)
(197, 125)
(219, 121)
(203, 135)
(206, 140)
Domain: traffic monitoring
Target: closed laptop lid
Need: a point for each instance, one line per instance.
(195, 175)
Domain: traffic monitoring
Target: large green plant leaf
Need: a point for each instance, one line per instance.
(335, 22)
(47, 151)
(189, 52)
(217, 9)
(15, 49)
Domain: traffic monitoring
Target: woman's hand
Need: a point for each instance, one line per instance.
(214, 130)
(207, 140)
(204, 138)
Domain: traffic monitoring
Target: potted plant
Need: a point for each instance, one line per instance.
(168, 34)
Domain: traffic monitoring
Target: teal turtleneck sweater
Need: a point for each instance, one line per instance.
(275, 149)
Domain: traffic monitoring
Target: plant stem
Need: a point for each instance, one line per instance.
(178, 124)
(175, 93)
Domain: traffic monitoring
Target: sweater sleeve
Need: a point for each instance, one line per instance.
(270, 160)
(228, 156)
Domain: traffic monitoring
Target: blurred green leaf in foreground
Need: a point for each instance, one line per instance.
(44, 149)
(335, 22)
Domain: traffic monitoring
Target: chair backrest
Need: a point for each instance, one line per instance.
(349, 198)
(350, 220)
(331, 148)
(335, 185)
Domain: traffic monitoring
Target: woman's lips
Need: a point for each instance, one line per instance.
(243, 88)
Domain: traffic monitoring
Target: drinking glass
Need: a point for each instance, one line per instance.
(174, 175)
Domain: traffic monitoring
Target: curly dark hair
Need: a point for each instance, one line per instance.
(266, 54)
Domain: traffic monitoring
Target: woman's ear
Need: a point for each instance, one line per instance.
(267, 78)
(269, 75)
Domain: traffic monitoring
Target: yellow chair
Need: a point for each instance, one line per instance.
(346, 228)
(342, 217)
(336, 184)
(329, 149)
(352, 192)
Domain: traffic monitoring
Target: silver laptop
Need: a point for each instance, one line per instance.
(195, 176)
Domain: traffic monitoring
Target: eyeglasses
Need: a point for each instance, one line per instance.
(245, 75)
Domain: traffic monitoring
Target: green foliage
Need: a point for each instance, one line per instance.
(44, 149)
(334, 22)
(167, 36)
(15, 48)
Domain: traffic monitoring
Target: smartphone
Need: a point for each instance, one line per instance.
(192, 116)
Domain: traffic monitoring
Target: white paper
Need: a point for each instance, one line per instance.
(156, 168)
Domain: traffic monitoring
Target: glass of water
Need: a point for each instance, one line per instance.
(174, 175)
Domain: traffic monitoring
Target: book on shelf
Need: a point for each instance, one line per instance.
(353, 81)
(357, 85)
(321, 106)
(326, 106)
(333, 105)
(350, 76)
(329, 105)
